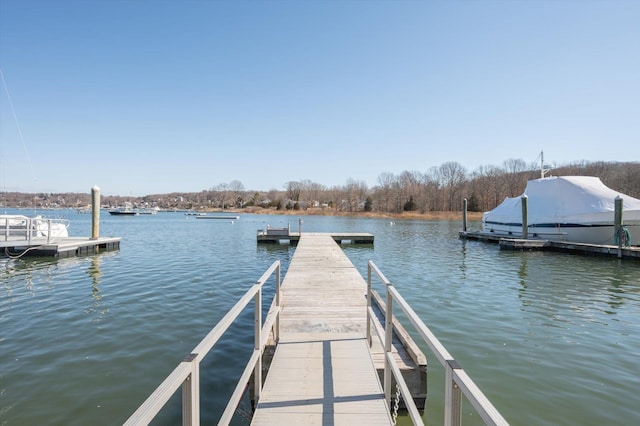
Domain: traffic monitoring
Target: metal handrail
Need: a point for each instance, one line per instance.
(28, 228)
(457, 381)
(187, 373)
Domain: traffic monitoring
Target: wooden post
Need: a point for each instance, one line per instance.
(300, 227)
(617, 218)
(95, 212)
(525, 216)
(464, 215)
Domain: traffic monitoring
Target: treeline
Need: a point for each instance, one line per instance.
(438, 189)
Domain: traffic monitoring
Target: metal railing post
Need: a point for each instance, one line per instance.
(457, 381)
(452, 396)
(191, 393)
(388, 337)
(257, 370)
(187, 373)
(369, 303)
(276, 333)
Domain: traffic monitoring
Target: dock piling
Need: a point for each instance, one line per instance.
(464, 214)
(95, 212)
(617, 220)
(525, 216)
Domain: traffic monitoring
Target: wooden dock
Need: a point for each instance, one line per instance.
(274, 236)
(506, 243)
(323, 371)
(322, 368)
(61, 247)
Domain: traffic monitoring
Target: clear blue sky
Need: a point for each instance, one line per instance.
(142, 97)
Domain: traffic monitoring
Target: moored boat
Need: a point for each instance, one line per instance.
(12, 225)
(123, 212)
(576, 209)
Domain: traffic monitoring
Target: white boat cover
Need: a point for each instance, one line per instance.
(565, 200)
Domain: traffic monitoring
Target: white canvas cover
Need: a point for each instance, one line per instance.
(565, 200)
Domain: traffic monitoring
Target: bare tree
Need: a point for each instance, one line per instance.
(355, 193)
(237, 188)
(488, 187)
(313, 191)
(453, 176)
(431, 189)
(294, 190)
(515, 177)
(384, 191)
(410, 183)
(221, 191)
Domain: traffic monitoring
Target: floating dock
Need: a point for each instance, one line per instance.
(506, 243)
(222, 217)
(61, 247)
(276, 235)
(323, 371)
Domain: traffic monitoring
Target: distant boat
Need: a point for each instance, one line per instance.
(128, 210)
(577, 209)
(149, 211)
(123, 212)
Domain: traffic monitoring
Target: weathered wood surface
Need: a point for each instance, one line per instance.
(322, 371)
(322, 379)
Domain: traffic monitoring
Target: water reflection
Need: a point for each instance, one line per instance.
(97, 308)
(581, 284)
(94, 272)
(557, 323)
(522, 273)
(28, 274)
(463, 258)
(623, 286)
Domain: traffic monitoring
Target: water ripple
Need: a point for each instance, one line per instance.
(550, 338)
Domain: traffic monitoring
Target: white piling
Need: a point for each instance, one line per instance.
(95, 212)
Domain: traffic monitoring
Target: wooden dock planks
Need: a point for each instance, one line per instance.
(322, 379)
(322, 371)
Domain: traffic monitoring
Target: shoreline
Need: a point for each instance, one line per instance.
(441, 215)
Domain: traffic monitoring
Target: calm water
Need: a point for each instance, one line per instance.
(550, 338)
